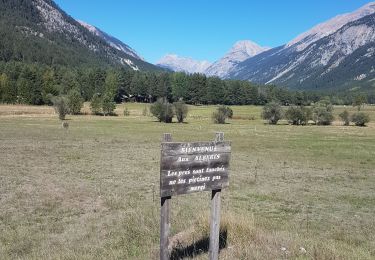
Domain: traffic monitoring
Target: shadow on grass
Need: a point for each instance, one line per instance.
(170, 123)
(199, 247)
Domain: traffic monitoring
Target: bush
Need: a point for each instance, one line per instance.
(162, 110)
(272, 112)
(221, 114)
(298, 115)
(345, 117)
(96, 104)
(126, 112)
(181, 110)
(322, 113)
(360, 119)
(61, 106)
(359, 101)
(145, 111)
(108, 105)
(229, 112)
(75, 102)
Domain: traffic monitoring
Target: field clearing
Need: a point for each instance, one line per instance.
(91, 192)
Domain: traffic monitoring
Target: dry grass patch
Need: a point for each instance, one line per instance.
(91, 191)
(25, 110)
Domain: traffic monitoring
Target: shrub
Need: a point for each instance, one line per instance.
(345, 117)
(65, 125)
(145, 111)
(181, 110)
(162, 110)
(359, 101)
(322, 113)
(75, 102)
(272, 112)
(108, 105)
(221, 114)
(126, 112)
(96, 104)
(360, 119)
(298, 115)
(229, 112)
(61, 106)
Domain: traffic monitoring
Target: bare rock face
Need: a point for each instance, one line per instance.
(240, 51)
(332, 55)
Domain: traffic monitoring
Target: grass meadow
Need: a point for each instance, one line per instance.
(92, 191)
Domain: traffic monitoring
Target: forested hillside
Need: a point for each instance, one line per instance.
(35, 84)
(39, 31)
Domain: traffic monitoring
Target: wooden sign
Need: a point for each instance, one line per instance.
(193, 167)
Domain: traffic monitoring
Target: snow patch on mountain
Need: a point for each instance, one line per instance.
(240, 51)
(183, 64)
(305, 39)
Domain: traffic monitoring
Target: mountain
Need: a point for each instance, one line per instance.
(324, 29)
(241, 51)
(337, 54)
(182, 64)
(112, 41)
(39, 31)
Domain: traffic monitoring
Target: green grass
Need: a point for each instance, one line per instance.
(91, 192)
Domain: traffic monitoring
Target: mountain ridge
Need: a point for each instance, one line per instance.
(40, 31)
(239, 52)
(183, 64)
(318, 60)
(111, 40)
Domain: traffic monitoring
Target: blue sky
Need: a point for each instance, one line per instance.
(204, 29)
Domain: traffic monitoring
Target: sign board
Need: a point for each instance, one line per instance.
(193, 167)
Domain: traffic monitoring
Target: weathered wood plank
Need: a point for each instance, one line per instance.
(194, 161)
(178, 189)
(179, 148)
(194, 167)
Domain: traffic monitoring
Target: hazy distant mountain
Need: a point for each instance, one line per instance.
(339, 53)
(39, 31)
(182, 64)
(241, 51)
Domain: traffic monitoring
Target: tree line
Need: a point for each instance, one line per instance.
(36, 84)
(321, 113)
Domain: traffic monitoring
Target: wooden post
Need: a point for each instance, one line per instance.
(165, 203)
(215, 216)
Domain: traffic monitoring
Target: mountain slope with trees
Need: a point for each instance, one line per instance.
(39, 31)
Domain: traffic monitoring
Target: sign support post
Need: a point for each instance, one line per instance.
(193, 167)
(215, 216)
(165, 223)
